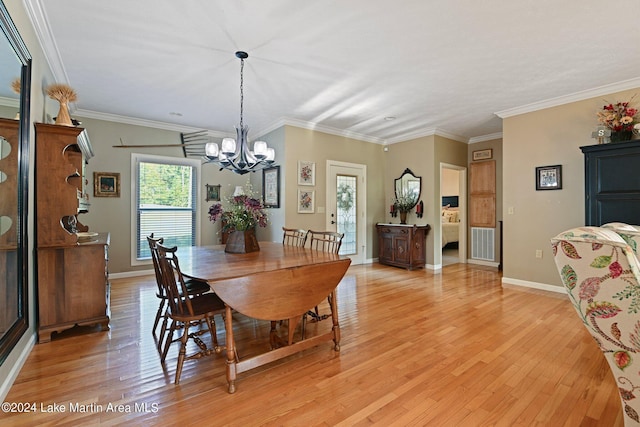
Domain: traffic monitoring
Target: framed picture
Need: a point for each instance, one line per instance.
(483, 154)
(106, 184)
(213, 193)
(306, 173)
(271, 187)
(306, 200)
(549, 177)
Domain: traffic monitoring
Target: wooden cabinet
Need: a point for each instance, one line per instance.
(402, 245)
(612, 183)
(482, 194)
(72, 278)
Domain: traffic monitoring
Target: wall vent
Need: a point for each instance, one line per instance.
(482, 243)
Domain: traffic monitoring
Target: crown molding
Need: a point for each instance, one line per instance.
(40, 23)
(489, 137)
(427, 132)
(574, 97)
(320, 128)
(9, 102)
(146, 123)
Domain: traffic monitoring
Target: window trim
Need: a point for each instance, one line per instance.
(136, 158)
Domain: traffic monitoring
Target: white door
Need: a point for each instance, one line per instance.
(346, 207)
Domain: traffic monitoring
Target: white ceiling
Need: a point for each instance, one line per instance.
(342, 66)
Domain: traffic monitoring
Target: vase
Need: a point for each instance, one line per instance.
(621, 136)
(63, 117)
(403, 217)
(242, 242)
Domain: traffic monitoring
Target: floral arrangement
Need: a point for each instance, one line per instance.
(244, 213)
(15, 85)
(619, 116)
(404, 203)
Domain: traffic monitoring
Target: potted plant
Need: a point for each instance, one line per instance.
(403, 204)
(244, 213)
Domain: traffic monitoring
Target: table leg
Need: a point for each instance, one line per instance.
(334, 318)
(231, 351)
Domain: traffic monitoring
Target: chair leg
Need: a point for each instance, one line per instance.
(158, 316)
(168, 341)
(183, 352)
(211, 322)
(163, 330)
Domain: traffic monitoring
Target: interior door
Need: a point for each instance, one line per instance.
(346, 207)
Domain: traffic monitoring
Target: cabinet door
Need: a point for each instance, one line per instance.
(402, 246)
(482, 194)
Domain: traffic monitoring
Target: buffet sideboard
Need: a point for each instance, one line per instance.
(402, 245)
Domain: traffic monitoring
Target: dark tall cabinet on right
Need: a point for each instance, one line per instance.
(612, 183)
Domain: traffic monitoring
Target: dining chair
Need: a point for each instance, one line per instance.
(323, 241)
(601, 275)
(185, 311)
(194, 287)
(294, 237)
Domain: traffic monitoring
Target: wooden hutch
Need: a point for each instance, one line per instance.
(402, 245)
(72, 277)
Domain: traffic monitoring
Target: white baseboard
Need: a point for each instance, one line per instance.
(15, 369)
(533, 285)
(125, 274)
(481, 262)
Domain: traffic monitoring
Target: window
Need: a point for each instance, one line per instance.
(164, 201)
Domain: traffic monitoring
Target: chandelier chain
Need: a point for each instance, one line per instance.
(241, 90)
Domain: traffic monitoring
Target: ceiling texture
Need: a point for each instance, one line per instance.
(378, 70)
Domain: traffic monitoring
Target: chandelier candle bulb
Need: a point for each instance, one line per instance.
(211, 149)
(271, 154)
(228, 146)
(260, 149)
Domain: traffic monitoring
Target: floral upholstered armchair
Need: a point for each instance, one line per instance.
(629, 233)
(602, 276)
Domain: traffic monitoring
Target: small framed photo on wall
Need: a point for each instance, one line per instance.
(306, 201)
(549, 177)
(106, 184)
(271, 187)
(306, 173)
(213, 193)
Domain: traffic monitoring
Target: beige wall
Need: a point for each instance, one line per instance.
(423, 156)
(548, 137)
(318, 147)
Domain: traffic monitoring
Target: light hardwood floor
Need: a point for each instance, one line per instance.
(418, 348)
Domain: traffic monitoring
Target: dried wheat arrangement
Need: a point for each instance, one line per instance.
(63, 94)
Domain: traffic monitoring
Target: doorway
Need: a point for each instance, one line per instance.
(453, 226)
(346, 207)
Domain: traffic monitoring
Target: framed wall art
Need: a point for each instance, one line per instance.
(213, 193)
(306, 201)
(271, 187)
(549, 177)
(483, 154)
(306, 173)
(106, 184)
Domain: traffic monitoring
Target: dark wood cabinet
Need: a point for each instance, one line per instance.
(402, 245)
(612, 183)
(72, 280)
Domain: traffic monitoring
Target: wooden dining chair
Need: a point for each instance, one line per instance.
(294, 237)
(194, 287)
(323, 241)
(184, 311)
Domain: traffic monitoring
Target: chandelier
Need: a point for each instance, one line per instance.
(234, 154)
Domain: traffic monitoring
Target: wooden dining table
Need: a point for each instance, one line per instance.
(276, 283)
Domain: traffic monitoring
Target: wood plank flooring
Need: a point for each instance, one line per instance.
(418, 348)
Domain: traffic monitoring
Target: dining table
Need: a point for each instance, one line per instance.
(276, 283)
